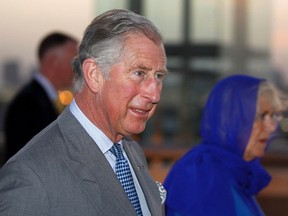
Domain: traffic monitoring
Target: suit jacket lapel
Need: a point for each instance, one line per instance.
(91, 169)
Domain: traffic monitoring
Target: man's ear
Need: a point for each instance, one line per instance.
(92, 74)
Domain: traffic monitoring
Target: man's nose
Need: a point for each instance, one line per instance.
(152, 90)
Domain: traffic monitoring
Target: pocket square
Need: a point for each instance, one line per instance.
(162, 192)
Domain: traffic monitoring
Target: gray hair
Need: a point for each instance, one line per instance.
(104, 39)
(278, 99)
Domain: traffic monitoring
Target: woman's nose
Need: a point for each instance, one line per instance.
(270, 124)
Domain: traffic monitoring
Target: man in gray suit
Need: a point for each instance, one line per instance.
(68, 168)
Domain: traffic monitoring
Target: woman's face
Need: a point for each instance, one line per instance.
(264, 125)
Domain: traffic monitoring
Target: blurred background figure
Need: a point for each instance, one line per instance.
(40, 101)
(223, 174)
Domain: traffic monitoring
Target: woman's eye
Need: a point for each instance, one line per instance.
(261, 116)
(277, 116)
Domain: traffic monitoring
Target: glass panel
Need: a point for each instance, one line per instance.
(260, 66)
(212, 21)
(174, 62)
(279, 41)
(167, 16)
(226, 22)
(206, 64)
(205, 21)
(259, 24)
(104, 5)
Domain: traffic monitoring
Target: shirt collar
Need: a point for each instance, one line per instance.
(103, 142)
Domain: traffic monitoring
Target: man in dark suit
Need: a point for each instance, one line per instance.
(71, 167)
(36, 104)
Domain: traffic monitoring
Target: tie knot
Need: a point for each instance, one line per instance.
(117, 150)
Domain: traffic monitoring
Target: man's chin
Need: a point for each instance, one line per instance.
(136, 130)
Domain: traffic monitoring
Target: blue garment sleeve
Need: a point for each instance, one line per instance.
(197, 185)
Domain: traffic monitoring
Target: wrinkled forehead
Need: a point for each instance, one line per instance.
(141, 47)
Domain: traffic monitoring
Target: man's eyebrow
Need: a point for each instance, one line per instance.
(143, 67)
(165, 71)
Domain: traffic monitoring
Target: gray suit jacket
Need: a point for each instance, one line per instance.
(62, 172)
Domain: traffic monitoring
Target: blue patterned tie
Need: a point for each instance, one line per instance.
(124, 175)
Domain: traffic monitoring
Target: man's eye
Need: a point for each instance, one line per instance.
(140, 73)
(159, 76)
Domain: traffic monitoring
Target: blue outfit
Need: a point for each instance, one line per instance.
(213, 178)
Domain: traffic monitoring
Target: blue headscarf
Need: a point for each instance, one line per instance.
(203, 180)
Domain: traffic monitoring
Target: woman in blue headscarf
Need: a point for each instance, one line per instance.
(222, 175)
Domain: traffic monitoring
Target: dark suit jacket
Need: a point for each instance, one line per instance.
(29, 112)
(61, 171)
